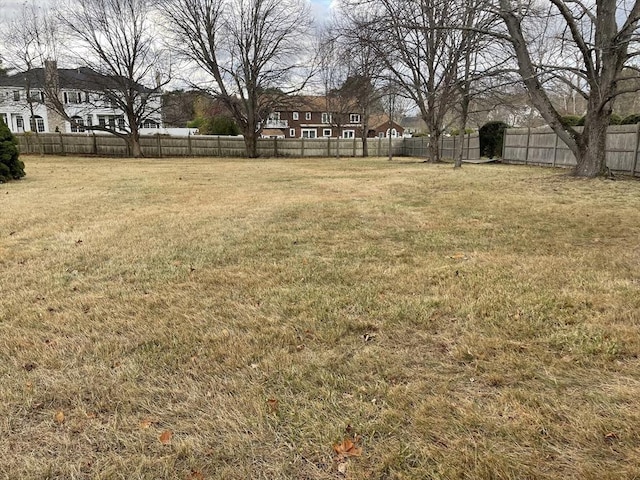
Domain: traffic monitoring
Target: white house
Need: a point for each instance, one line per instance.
(26, 103)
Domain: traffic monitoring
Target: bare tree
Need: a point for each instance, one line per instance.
(603, 35)
(422, 46)
(126, 70)
(249, 50)
(359, 52)
(30, 39)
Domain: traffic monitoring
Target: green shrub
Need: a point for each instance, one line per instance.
(11, 167)
(631, 119)
(615, 119)
(492, 138)
(215, 126)
(456, 131)
(572, 120)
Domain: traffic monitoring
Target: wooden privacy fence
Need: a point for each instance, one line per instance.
(541, 146)
(449, 147)
(201, 146)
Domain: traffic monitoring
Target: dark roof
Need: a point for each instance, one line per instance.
(81, 78)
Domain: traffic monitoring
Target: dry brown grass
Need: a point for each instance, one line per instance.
(474, 324)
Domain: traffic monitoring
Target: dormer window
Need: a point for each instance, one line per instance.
(72, 97)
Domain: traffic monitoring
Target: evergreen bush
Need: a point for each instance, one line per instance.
(492, 138)
(11, 167)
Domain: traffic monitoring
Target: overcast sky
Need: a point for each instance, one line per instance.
(320, 8)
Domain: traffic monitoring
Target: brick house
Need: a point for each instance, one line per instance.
(323, 117)
(313, 117)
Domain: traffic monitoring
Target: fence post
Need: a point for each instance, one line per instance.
(379, 142)
(159, 146)
(95, 144)
(635, 152)
(555, 150)
(219, 147)
(526, 152)
(61, 144)
(275, 146)
(302, 147)
(354, 145)
(189, 152)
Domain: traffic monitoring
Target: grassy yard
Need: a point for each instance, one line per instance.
(237, 319)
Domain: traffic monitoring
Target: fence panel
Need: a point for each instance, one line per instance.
(220, 146)
(541, 146)
(449, 147)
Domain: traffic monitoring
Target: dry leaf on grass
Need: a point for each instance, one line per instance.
(194, 475)
(273, 405)
(458, 256)
(59, 416)
(146, 423)
(165, 437)
(347, 449)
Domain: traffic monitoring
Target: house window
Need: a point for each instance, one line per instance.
(292, 132)
(381, 134)
(89, 120)
(120, 123)
(326, 118)
(150, 124)
(326, 132)
(19, 123)
(309, 133)
(72, 97)
(16, 95)
(307, 116)
(274, 116)
(36, 96)
(77, 125)
(354, 118)
(348, 134)
(37, 124)
(296, 116)
(3, 117)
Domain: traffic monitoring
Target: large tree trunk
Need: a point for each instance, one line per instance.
(251, 144)
(133, 145)
(434, 146)
(591, 158)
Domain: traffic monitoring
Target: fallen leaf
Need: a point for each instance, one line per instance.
(194, 475)
(611, 436)
(59, 416)
(458, 256)
(347, 449)
(273, 405)
(146, 423)
(165, 437)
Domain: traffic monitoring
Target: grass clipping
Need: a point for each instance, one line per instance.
(241, 319)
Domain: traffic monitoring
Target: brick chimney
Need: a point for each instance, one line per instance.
(51, 80)
(52, 95)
